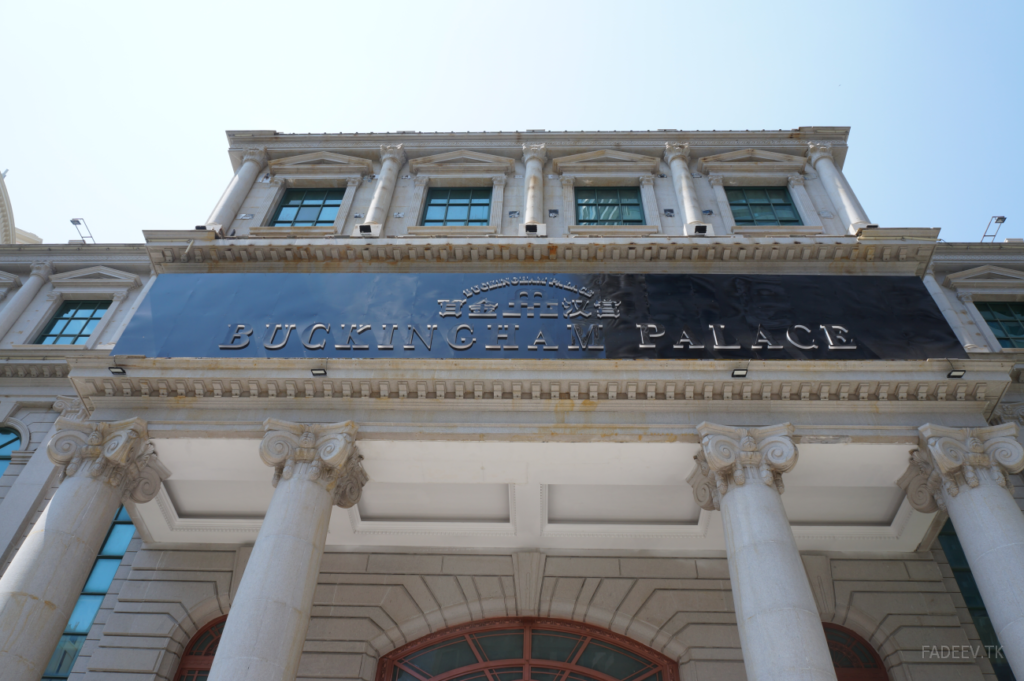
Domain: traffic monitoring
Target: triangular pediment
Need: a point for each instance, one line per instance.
(986, 276)
(319, 162)
(606, 160)
(8, 280)
(757, 160)
(462, 161)
(95, 276)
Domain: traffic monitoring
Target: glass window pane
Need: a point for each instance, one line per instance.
(459, 196)
(83, 614)
(785, 213)
(500, 645)
(64, 340)
(122, 515)
(741, 213)
(101, 576)
(287, 214)
(308, 213)
(334, 198)
(756, 195)
(607, 196)
(611, 660)
(457, 213)
(73, 327)
(479, 212)
(763, 212)
(630, 196)
(58, 327)
(480, 196)
(735, 195)
(64, 656)
(1014, 329)
(438, 196)
(586, 213)
(585, 196)
(632, 214)
(68, 311)
(327, 214)
(444, 657)
(314, 198)
(778, 195)
(553, 645)
(435, 212)
(293, 198)
(117, 540)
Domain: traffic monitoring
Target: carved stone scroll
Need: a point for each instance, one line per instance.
(324, 453)
(117, 453)
(950, 459)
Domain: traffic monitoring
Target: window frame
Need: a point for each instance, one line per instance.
(430, 190)
(598, 223)
(752, 223)
(55, 318)
(1018, 317)
(200, 663)
(7, 459)
(279, 205)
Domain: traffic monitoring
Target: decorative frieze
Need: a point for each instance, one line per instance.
(118, 453)
(323, 453)
(733, 457)
(952, 459)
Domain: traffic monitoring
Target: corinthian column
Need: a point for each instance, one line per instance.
(227, 208)
(534, 156)
(392, 159)
(315, 467)
(103, 465)
(839, 190)
(740, 472)
(12, 312)
(677, 155)
(967, 472)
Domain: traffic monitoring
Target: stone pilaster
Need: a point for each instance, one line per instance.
(740, 471)
(966, 471)
(568, 200)
(802, 200)
(103, 464)
(351, 187)
(722, 199)
(315, 467)
(652, 216)
(497, 202)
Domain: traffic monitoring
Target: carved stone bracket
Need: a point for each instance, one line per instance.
(117, 453)
(736, 455)
(324, 453)
(948, 459)
(71, 408)
(1012, 412)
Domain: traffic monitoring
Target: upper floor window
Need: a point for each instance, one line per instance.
(458, 207)
(762, 206)
(1006, 321)
(9, 442)
(609, 206)
(308, 208)
(74, 322)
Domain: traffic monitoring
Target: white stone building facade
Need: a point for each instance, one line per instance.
(839, 498)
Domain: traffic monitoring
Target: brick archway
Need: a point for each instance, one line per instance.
(525, 649)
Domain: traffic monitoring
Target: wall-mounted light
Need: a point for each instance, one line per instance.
(739, 373)
(318, 372)
(118, 371)
(956, 373)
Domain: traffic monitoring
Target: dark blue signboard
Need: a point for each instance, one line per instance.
(539, 316)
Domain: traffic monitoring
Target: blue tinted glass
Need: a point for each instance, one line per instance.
(122, 516)
(64, 656)
(328, 213)
(117, 541)
(101, 576)
(83, 614)
(9, 441)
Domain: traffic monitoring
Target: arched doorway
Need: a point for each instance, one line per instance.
(853, 658)
(198, 658)
(525, 648)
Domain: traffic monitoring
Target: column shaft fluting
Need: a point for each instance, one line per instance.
(266, 627)
(392, 159)
(227, 208)
(20, 301)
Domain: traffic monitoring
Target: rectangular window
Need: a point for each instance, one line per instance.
(762, 206)
(609, 206)
(458, 207)
(74, 322)
(96, 587)
(1006, 321)
(308, 208)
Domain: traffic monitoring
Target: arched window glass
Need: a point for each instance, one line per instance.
(198, 658)
(853, 658)
(525, 649)
(10, 441)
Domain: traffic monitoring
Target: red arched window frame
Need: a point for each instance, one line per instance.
(653, 665)
(198, 658)
(854, 658)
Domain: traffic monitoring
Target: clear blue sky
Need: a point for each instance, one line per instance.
(117, 112)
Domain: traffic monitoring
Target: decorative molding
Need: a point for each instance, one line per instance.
(8, 281)
(818, 150)
(71, 408)
(751, 161)
(604, 161)
(535, 152)
(393, 152)
(795, 181)
(736, 455)
(613, 230)
(95, 277)
(462, 162)
(987, 280)
(43, 268)
(257, 155)
(528, 571)
(117, 453)
(320, 163)
(674, 151)
(949, 459)
(324, 453)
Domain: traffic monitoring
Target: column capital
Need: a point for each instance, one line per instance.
(323, 452)
(674, 151)
(71, 408)
(353, 181)
(567, 180)
(965, 297)
(647, 180)
(420, 181)
(41, 269)
(498, 180)
(535, 151)
(257, 155)
(736, 454)
(716, 180)
(948, 459)
(118, 453)
(393, 152)
(819, 150)
(795, 180)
